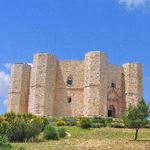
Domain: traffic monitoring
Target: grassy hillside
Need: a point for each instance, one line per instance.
(95, 139)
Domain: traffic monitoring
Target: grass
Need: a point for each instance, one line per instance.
(95, 139)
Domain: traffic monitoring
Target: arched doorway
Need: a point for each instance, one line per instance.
(111, 111)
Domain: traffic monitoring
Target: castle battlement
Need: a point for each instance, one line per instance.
(89, 87)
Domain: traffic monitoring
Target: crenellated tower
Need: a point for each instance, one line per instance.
(95, 84)
(133, 77)
(18, 95)
(42, 86)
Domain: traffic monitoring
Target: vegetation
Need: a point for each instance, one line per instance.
(40, 132)
(4, 143)
(62, 132)
(94, 139)
(137, 117)
(60, 123)
(21, 128)
(85, 123)
(51, 133)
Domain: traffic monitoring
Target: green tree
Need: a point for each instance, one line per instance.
(137, 117)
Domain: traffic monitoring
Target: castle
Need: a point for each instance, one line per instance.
(90, 87)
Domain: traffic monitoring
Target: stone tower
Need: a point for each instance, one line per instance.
(133, 83)
(42, 86)
(18, 95)
(95, 84)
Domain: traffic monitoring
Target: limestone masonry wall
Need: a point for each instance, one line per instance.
(133, 83)
(89, 87)
(75, 70)
(42, 87)
(95, 84)
(18, 94)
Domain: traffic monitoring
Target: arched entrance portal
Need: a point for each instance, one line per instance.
(111, 111)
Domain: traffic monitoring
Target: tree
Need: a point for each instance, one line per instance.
(136, 117)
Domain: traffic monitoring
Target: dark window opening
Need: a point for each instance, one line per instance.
(69, 99)
(113, 85)
(69, 81)
(109, 113)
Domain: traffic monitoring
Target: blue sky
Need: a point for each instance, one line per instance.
(70, 28)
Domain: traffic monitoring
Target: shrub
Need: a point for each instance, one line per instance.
(85, 123)
(98, 120)
(10, 116)
(4, 128)
(117, 123)
(98, 125)
(36, 126)
(62, 132)
(20, 128)
(51, 133)
(60, 123)
(108, 121)
(17, 131)
(70, 121)
(52, 120)
(4, 143)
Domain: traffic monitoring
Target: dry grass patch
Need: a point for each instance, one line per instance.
(95, 139)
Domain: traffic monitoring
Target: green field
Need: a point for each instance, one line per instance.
(95, 139)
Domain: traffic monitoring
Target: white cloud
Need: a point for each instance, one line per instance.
(4, 84)
(132, 3)
(8, 66)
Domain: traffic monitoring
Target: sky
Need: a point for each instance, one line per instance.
(71, 28)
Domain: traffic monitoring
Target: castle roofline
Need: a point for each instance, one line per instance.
(131, 63)
(96, 51)
(45, 53)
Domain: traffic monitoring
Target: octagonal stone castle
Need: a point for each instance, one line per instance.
(90, 87)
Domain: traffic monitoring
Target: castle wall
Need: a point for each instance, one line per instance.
(95, 84)
(116, 94)
(18, 95)
(74, 88)
(65, 69)
(42, 87)
(133, 76)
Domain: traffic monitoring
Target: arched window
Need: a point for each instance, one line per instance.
(69, 81)
(111, 111)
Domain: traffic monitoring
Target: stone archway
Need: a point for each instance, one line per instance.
(111, 111)
(113, 103)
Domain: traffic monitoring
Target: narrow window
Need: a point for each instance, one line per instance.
(113, 85)
(69, 81)
(69, 99)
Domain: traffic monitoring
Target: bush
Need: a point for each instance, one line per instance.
(108, 121)
(70, 121)
(20, 128)
(117, 123)
(4, 128)
(60, 123)
(85, 123)
(98, 120)
(4, 143)
(62, 132)
(50, 133)
(98, 125)
(52, 120)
